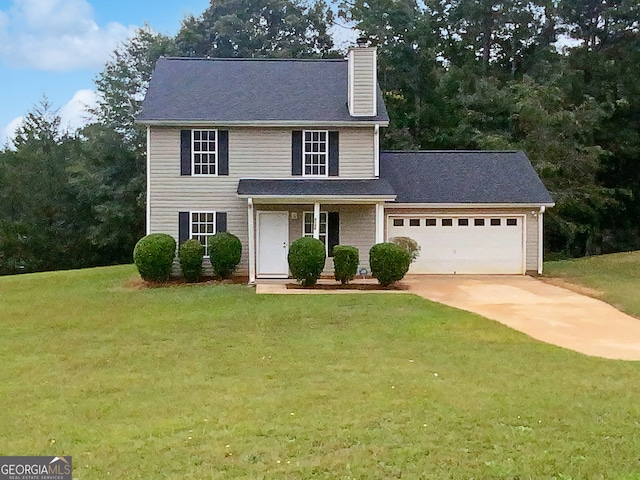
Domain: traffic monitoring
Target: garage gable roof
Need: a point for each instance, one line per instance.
(236, 90)
(453, 177)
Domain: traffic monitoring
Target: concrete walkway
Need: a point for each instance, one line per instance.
(545, 312)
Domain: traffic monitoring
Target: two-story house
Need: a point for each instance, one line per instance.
(273, 150)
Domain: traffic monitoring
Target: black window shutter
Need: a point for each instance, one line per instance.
(183, 227)
(334, 149)
(333, 231)
(221, 222)
(185, 152)
(223, 152)
(296, 152)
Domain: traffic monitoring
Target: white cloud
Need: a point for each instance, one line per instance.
(9, 131)
(73, 115)
(56, 35)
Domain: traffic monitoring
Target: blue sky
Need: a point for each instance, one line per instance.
(57, 47)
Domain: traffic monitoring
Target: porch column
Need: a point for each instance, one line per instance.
(540, 239)
(252, 242)
(316, 220)
(379, 222)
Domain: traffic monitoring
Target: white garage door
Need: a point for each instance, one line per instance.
(463, 244)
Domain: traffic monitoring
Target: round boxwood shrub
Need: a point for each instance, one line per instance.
(389, 262)
(306, 260)
(225, 251)
(190, 255)
(345, 263)
(153, 255)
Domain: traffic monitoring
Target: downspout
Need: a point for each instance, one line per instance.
(252, 243)
(540, 238)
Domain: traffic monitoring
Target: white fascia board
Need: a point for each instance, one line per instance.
(469, 205)
(261, 123)
(334, 199)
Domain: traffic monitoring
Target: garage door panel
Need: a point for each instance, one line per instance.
(465, 248)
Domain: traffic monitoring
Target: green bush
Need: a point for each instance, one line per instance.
(408, 244)
(345, 262)
(225, 251)
(306, 260)
(190, 254)
(389, 262)
(154, 255)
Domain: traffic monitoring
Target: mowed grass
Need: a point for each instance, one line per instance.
(615, 278)
(212, 382)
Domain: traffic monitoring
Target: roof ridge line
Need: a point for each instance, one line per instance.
(257, 59)
(450, 151)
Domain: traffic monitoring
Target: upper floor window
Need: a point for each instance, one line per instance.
(315, 152)
(205, 152)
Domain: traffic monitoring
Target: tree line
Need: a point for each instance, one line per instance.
(555, 78)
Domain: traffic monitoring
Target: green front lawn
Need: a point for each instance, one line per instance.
(208, 382)
(615, 277)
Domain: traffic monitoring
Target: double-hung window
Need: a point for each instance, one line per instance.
(204, 152)
(203, 226)
(315, 153)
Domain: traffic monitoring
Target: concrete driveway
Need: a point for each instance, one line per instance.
(545, 312)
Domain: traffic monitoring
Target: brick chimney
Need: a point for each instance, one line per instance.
(363, 80)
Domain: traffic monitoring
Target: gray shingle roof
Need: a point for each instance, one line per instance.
(244, 90)
(315, 187)
(463, 177)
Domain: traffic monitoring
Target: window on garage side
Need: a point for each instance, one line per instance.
(329, 229)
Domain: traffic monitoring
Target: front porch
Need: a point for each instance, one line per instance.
(337, 212)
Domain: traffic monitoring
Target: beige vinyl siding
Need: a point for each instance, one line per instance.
(253, 153)
(363, 102)
(531, 224)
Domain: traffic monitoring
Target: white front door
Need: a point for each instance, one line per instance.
(273, 244)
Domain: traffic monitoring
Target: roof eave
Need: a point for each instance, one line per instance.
(473, 205)
(263, 123)
(336, 199)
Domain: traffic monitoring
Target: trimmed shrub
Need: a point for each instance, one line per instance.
(225, 251)
(345, 262)
(153, 255)
(389, 262)
(306, 260)
(190, 255)
(408, 244)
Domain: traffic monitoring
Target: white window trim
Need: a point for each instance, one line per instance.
(215, 218)
(326, 234)
(193, 153)
(304, 154)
